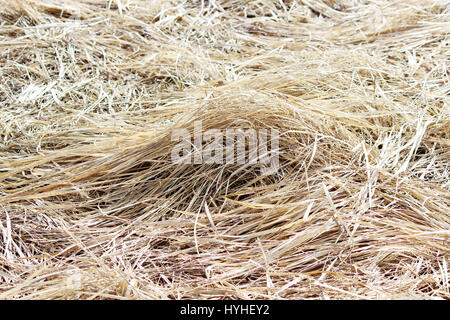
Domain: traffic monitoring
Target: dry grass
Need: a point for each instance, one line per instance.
(91, 206)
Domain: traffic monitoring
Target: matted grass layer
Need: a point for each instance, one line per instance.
(92, 207)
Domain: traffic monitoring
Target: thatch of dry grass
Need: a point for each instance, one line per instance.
(92, 207)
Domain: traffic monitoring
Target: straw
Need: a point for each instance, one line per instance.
(92, 206)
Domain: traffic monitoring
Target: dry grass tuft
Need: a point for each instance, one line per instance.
(92, 207)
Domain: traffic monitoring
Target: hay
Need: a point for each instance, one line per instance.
(92, 207)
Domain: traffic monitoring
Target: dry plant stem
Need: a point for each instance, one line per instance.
(92, 207)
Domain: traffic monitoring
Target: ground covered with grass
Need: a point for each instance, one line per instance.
(92, 207)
